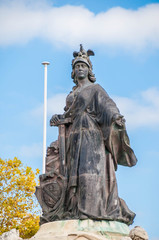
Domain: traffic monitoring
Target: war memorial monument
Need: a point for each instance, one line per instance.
(78, 193)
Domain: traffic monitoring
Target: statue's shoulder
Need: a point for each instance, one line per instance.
(98, 86)
(100, 89)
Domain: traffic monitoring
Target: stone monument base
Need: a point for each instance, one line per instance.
(82, 230)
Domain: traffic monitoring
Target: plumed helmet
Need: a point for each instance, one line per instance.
(82, 56)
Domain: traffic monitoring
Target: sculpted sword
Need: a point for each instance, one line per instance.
(62, 142)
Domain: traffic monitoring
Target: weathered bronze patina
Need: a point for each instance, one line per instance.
(80, 180)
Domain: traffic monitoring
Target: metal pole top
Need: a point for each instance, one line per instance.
(45, 63)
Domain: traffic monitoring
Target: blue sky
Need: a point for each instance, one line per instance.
(125, 38)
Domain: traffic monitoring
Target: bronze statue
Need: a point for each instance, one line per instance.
(92, 142)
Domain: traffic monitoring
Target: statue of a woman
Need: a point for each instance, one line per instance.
(96, 142)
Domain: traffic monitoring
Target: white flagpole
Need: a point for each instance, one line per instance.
(45, 113)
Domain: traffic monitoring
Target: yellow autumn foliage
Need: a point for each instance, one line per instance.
(18, 205)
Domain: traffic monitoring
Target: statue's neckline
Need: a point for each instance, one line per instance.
(79, 89)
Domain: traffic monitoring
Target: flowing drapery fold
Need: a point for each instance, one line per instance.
(95, 145)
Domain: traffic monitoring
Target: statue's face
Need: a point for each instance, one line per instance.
(81, 70)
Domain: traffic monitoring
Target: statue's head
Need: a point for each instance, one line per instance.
(83, 56)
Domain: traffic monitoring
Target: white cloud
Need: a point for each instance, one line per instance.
(55, 105)
(22, 21)
(142, 110)
(30, 151)
(27, 153)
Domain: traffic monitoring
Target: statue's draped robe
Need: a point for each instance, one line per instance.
(94, 147)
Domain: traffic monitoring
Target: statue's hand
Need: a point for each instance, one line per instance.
(54, 121)
(119, 120)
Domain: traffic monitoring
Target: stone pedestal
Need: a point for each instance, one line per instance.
(82, 230)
